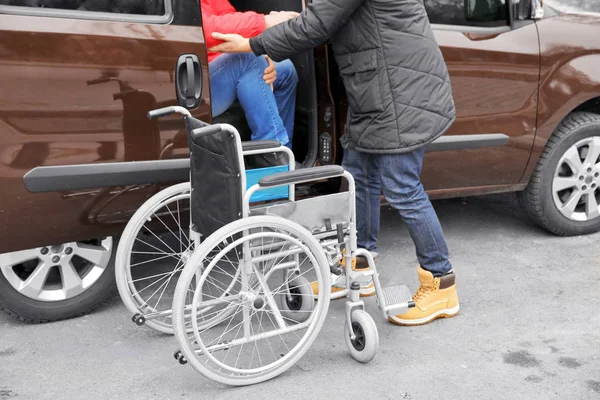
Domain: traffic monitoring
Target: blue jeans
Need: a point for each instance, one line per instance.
(398, 175)
(270, 113)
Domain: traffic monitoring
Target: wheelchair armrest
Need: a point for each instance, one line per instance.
(301, 175)
(260, 145)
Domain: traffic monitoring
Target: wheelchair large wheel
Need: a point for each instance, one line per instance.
(243, 336)
(154, 248)
(151, 255)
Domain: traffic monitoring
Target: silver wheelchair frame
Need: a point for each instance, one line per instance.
(139, 317)
(329, 220)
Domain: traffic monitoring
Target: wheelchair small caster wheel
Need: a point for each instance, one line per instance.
(365, 344)
(179, 357)
(139, 319)
(298, 307)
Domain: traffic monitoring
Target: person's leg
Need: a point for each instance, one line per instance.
(364, 169)
(224, 72)
(258, 100)
(284, 89)
(404, 191)
(240, 75)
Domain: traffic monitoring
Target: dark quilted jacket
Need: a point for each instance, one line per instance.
(395, 76)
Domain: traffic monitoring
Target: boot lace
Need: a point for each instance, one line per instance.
(421, 294)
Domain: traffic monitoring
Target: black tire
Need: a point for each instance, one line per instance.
(366, 344)
(537, 199)
(33, 311)
(302, 303)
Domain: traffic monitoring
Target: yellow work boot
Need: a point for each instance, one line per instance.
(338, 282)
(436, 298)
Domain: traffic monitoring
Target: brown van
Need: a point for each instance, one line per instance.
(78, 155)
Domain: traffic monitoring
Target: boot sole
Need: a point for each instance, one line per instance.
(447, 313)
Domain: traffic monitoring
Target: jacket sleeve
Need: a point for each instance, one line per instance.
(248, 24)
(315, 25)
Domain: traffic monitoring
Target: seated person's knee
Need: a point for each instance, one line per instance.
(286, 71)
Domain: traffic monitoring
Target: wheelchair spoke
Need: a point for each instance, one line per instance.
(268, 342)
(178, 221)
(250, 319)
(163, 285)
(227, 329)
(284, 343)
(159, 239)
(150, 277)
(172, 254)
(149, 286)
(166, 285)
(181, 244)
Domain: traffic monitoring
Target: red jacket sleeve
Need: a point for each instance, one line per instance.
(248, 24)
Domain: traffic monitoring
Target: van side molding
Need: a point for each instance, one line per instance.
(90, 176)
(467, 142)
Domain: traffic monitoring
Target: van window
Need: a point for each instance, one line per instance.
(483, 13)
(138, 7)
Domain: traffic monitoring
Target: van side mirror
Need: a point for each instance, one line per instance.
(485, 10)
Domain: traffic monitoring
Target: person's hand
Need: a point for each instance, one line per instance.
(290, 14)
(277, 17)
(232, 43)
(270, 74)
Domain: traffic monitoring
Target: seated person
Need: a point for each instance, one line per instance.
(267, 96)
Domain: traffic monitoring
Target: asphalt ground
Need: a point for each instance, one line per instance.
(529, 328)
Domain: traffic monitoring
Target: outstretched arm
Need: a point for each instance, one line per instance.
(313, 27)
(246, 24)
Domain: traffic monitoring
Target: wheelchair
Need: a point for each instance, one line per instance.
(158, 238)
(253, 286)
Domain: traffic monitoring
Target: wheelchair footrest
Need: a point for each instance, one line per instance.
(398, 299)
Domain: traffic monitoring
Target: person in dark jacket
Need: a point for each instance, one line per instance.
(400, 99)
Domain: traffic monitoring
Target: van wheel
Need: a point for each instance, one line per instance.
(57, 282)
(563, 195)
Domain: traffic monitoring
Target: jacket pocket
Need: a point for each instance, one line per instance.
(360, 74)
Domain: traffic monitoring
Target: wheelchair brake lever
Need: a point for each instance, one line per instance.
(334, 263)
(336, 270)
(340, 233)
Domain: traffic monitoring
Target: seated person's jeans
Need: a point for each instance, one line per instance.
(270, 113)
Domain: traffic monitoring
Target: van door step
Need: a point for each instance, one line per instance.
(398, 299)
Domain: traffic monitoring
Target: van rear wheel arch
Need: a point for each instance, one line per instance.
(563, 193)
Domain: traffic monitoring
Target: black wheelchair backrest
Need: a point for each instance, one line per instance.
(217, 176)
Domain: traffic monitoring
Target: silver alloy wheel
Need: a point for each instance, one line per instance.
(576, 182)
(55, 273)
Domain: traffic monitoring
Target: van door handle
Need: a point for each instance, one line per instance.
(190, 76)
(188, 81)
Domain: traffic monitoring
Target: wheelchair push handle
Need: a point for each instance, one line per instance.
(163, 112)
